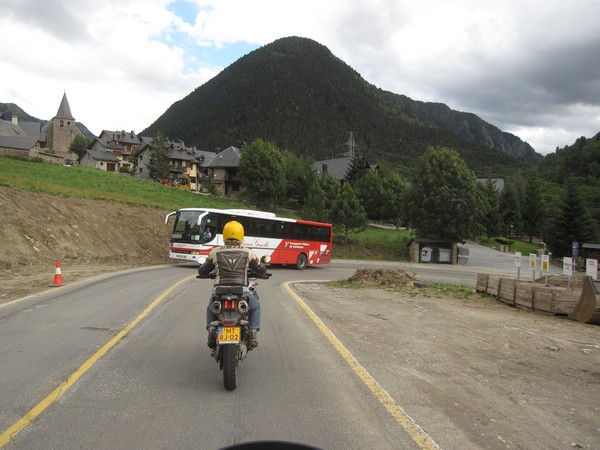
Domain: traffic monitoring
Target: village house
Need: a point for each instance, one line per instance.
(103, 160)
(184, 162)
(14, 141)
(223, 173)
(121, 143)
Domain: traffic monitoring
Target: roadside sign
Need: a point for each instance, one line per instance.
(575, 250)
(567, 266)
(545, 263)
(518, 259)
(591, 268)
(532, 260)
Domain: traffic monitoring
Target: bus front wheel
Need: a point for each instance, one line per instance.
(301, 261)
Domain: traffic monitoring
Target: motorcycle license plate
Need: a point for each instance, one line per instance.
(228, 335)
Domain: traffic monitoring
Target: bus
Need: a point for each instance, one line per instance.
(285, 241)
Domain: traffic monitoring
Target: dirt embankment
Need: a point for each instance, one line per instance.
(86, 236)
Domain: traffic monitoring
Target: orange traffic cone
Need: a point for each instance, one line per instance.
(58, 281)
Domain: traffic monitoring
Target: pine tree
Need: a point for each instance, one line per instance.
(491, 208)
(509, 210)
(159, 163)
(532, 212)
(573, 224)
(347, 213)
(315, 207)
(357, 168)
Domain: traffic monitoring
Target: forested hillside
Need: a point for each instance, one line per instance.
(295, 93)
(470, 127)
(577, 165)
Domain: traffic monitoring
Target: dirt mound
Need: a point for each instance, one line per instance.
(563, 281)
(384, 277)
(87, 236)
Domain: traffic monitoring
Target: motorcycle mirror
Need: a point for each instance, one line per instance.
(201, 259)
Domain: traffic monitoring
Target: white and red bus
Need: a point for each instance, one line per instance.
(285, 241)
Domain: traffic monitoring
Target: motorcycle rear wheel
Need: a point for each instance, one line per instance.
(229, 361)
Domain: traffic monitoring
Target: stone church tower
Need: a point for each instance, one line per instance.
(61, 130)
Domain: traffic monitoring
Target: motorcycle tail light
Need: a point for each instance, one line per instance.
(229, 304)
(229, 324)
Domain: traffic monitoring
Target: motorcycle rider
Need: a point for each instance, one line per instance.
(232, 262)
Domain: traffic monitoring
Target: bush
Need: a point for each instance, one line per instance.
(504, 241)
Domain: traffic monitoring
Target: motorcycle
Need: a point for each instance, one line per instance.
(233, 336)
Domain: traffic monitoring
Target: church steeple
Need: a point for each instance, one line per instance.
(62, 129)
(64, 110)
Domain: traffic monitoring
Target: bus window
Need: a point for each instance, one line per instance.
(260, 228)
(281, 230)
(211, 220)
(320, 234)
(299, 231)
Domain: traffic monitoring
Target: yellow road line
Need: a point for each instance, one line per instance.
(11, 432)
(422, 439)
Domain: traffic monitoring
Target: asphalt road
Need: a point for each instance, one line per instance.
(121, 362)
(71, 378)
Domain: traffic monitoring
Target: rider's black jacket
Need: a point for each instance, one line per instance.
(232, 263)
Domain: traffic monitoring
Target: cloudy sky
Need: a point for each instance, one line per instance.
(530, 67)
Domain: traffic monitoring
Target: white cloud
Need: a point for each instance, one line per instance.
(526, 66)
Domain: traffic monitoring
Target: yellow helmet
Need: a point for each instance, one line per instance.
(233, 230)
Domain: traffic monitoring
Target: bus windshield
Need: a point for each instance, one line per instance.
(188, 225)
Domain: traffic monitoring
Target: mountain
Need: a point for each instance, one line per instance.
(470, 127)
(295, 93)
(7, 110)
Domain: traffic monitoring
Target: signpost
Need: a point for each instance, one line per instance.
(546, 267)
(518, 264)
(568, 268)
(533, 263)
(591, 268)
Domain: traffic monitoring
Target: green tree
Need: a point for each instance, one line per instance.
(443, 200)
(510, 212)
(369, 189)
(347, 213)
(490, 208)
(574, 223)
(315, 207)
(299, 175)
(392, 199)
(323, 192)
(533, 210)
(158, 163)
(80, 145)
(133, 158)
(332, 187)
(262, 169)
(381, 193)
(357, 168)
